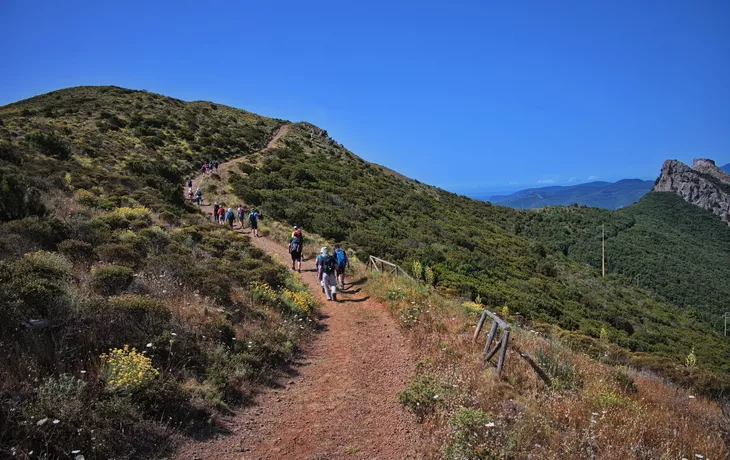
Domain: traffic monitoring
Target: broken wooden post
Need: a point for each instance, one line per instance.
(480, 324)
(490, 337)
(502, 343)
(503, 354)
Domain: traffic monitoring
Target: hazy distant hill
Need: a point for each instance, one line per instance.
(726, 168)
(607, 195)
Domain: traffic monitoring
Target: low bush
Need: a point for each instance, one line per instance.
(111, 279)
(423, 394)
(79, 252)
(119, 253)
(472, 432)
(124, 369)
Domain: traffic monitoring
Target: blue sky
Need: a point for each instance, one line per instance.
(482, 96)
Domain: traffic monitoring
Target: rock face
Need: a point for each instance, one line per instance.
(704, 185)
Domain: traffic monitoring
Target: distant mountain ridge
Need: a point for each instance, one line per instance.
(599, 194)
(704, 185)
(726, 168)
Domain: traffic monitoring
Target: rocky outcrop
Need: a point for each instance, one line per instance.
(704, 185)
(707, 166)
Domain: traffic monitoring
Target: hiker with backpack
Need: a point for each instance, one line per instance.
(199, 196)
(326, 273)
(341, 264)
(296, 244)
(216, 207)
(215, 165)
(221, 215)
(230, 216)
(253, 219)
(240, 214)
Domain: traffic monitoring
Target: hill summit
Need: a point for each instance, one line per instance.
(704, 185)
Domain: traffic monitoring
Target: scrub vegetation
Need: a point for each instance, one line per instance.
(106, 273)
(126, 317)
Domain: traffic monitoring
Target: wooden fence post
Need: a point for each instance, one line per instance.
(480, 325)
(503, 354)
(490, 337)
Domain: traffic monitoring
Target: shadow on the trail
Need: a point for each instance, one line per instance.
(350, 291)
(355, 300)
(359, 282)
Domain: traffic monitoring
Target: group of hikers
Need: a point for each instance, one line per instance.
(196, 197)
(331, 268)
(222, 216)
(209, 166)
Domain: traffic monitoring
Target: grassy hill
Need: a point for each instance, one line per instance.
(92, 176)
(124, 316)
(607, 195)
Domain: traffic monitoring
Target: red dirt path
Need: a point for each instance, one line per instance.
(343, 403)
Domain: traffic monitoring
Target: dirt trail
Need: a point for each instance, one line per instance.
(343, 402)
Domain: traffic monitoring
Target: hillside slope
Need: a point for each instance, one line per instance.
(127, 320)
(115, 147)
(504, 257)
(607, 195)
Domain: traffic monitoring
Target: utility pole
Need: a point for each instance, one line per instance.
(603, 250)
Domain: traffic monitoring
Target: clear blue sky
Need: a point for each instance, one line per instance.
(484, 95)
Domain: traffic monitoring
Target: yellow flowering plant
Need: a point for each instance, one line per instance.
(300, 301)
(126, 369)
(262, 292)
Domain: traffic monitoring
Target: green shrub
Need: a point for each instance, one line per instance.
(140, 313)
(423, 394)
(77, 251)
(119, 253)
(471, 433)
(111, 279)
(50, 144)
(19, 198)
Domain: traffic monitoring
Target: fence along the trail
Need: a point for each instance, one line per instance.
(501, 344)
(380, 265)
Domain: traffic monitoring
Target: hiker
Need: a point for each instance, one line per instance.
(190, 184)
(296, 232)
(221, 215)
(326, 273)
(215, 165)
(240, 214)
(215, 212)
(190, 195)
(229, 217)
(296, 244)
(253, 219)
(199, 196)
(341, 264)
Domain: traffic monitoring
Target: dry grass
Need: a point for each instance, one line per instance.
(600, 411)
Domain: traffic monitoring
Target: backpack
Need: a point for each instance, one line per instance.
(341, 257)
(328, 264)
(295, 246)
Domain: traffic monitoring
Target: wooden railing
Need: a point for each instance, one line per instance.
(383, 266)
(501, 344)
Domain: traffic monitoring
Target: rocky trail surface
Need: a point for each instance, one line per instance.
(342, 401)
